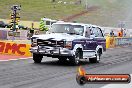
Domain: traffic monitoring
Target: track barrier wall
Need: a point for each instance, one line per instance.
(5, 34)
(123, 41)
(14, 49)
(112, 42)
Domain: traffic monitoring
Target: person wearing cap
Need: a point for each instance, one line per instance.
(111, 33)
(120, 33)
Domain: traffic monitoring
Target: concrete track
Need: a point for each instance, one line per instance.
(52, 74)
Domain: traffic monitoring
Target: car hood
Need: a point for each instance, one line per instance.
(59, 36)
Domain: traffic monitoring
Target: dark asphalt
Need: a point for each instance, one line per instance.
(52, 74)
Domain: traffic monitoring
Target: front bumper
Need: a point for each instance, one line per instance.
(51, 51)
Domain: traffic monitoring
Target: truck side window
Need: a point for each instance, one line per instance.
(97, 32)
(94, 31)
(87, 32)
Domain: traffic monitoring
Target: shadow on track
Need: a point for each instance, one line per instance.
(67, 63)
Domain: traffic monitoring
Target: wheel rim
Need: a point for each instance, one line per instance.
(98, 57)
(77, 58)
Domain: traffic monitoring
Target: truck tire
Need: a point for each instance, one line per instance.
(74, 60)
(37, 58)
(96, 59)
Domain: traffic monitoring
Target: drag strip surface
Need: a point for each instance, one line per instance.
(52, 74)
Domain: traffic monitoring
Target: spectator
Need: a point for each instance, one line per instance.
(30, 33)
(124, 33)
(120, 33)
(111, 33)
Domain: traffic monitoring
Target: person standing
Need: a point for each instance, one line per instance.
(32, 30)
(111, 33)
(120, 33)
(124, 33)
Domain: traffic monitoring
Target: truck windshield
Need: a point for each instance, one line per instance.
(67, 28)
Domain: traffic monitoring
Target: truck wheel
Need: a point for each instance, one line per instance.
(37, 58)
(75, 59)
(96, 59)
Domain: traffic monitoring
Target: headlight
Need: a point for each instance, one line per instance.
(34, 42)
(68, 44)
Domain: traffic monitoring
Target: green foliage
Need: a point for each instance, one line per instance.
(35, 9)
(108, 13)
(42, 26)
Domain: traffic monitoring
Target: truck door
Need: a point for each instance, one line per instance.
(90, 43)
(99, 38)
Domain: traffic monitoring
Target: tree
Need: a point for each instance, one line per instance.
(42, 26)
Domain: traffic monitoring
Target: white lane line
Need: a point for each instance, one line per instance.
(16, 59)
